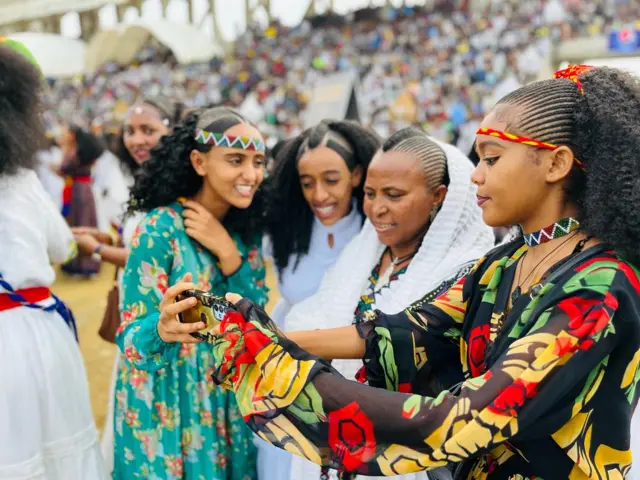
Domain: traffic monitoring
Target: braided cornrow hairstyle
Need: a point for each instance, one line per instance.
(168, 174)
(289, 219)
(602, 128)
(432, 158)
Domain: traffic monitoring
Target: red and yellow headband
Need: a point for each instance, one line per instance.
(573, 73)
(512, 137)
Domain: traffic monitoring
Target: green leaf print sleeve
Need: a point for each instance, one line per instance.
(249, 280)
(145, 280)
(544, 384)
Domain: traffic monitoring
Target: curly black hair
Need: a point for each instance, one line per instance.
(169, 110)
(289, 219)
(168, 174)
(22, 131)
(602, 128)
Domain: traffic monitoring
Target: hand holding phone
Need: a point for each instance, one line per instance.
(210, 310)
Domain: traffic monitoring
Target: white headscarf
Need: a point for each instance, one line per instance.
(457, 236)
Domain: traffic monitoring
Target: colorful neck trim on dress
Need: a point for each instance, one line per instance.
(512, 137)
(559, 229)
(229, 141)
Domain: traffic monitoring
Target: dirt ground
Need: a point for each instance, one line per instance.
(88, 299)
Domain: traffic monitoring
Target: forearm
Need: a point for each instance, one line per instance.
(114, 255)
(330, 344)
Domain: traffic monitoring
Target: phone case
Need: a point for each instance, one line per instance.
(210, 309)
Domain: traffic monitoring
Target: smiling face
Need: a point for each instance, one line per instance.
(397, 200)
(232, 175)
(327, 184)
(143, 129)
(518, 184)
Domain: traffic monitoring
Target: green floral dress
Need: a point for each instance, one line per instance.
(171, 420)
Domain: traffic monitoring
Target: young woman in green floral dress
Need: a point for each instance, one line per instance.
(202, 224)
(544, 334)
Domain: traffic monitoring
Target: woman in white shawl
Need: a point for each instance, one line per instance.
(448, 237)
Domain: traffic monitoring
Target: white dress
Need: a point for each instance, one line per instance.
(47, 431)
(110, 190)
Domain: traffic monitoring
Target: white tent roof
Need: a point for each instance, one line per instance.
(122, 43)
(19, 10)
(58, 56)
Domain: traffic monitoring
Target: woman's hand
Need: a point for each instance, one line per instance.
(101, 237)
(169, 327)
(206, 229)
(87, 244)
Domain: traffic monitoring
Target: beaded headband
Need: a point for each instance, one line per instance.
(573, 73)
(142, 108)
(511, 137)
(221, 140)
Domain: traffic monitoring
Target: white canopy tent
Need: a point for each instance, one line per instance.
(24, 10)
(121, 43)
(58, 56)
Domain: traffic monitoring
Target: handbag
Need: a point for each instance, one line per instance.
(111, 319)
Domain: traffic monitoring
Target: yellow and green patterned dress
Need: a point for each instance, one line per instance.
(547, 392)
(171, 420)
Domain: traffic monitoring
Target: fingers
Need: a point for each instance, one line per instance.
(195, 206)
(175, 290)
(233, 298)
(173, 309)
(188, 277)
(193, 215)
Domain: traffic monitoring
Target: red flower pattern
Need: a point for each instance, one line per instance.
(512, 398)
(478, 341)
(351, 436)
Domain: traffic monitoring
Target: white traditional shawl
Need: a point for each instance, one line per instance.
(457, 237)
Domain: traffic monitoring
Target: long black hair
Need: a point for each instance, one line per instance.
(170, 112)
(168, 174)
(21, 128)
(602, 128)
(89, 147)
(289, 219)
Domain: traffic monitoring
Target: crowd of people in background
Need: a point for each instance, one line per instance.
(448, 62)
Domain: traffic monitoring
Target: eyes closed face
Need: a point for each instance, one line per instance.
(327, 184)
(511, 183)
(397, 200)
(142, 132)
(234, 174)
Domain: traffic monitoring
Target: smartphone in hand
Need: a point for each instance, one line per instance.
(210, 309)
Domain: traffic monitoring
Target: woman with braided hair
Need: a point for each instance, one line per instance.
(314, 209)
(545, 330)
(199, 193)
(424, 232)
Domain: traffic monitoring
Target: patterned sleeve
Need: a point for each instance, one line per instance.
(418, 350)
(145, 280)
(249, 280)
(298, 403)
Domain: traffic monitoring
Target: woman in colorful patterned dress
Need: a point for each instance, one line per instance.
(546, 329)
(171, 420)
(146, 122)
